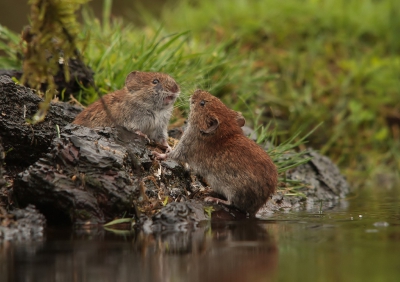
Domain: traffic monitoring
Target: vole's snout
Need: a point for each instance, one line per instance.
(173, 88)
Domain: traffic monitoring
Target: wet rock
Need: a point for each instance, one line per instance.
(324, 185)
(175, 217)
(88, 176)
(26, 143)
(23, 224)
(325, 182)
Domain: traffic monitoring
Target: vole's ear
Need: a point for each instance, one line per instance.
(211, 125)
(240, 119)
(130, 78)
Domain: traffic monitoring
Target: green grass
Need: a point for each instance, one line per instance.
(338, 62)
(9, 46)
(116, 48)
(292, 64)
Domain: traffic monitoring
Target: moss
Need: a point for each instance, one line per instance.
(47, 43)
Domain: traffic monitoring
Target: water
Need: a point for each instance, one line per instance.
(359, 240)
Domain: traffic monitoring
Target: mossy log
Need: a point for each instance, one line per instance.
(95, 175)
(23, 142)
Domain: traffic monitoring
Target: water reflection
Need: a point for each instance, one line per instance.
(241, 251)
(356, 241)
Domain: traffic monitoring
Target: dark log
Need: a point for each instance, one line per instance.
(23, 142)
(88, 176)
(95, 175)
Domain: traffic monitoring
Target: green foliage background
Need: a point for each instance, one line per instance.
(294, 63)
(337, 61)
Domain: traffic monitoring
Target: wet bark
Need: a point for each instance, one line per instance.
(88, 176)
(95, 175)
(23, 142)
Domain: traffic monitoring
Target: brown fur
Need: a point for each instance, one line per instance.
(215, 147)
(142, 105)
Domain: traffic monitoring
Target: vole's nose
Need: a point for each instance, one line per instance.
(174, 88)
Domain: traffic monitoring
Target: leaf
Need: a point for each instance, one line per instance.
(208, 210)
(165, 202)
(118, 221)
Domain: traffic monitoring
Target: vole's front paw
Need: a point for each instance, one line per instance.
(166, 146)
(169, 149)
(138, 132)
(159, 156)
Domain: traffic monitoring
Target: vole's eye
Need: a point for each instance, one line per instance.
(202, 103)
(156, 81)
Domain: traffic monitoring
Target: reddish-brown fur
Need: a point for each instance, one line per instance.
(216, 148)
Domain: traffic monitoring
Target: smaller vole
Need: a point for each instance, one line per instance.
(215, 147)
(144, 105)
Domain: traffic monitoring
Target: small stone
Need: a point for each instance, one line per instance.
(381, 224)
(170, 164)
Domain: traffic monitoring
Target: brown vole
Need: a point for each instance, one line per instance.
(144, 105)
(215, 147)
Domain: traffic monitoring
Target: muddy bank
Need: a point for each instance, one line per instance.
(91, 176)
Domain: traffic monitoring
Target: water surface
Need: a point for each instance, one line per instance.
(358, 240)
